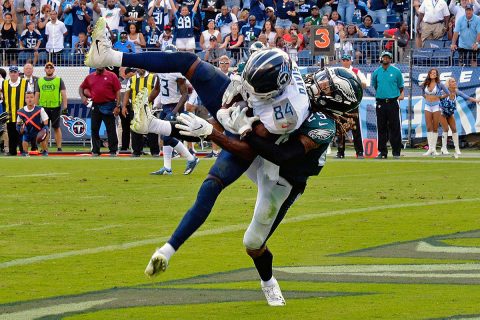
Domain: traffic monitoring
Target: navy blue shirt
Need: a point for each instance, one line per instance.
(152, 37)
(257, 9)
(369, 32)
(30, 39)
(80, 24)
(184, 25)
(250, 33)
(283, 7)
(377, 5)
(160, 15)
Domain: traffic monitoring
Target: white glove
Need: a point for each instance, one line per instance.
(224, 118)
(234, 88)
(193, 126)
(240, 121)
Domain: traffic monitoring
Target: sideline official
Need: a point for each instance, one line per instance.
(388, 83)
(104, 88)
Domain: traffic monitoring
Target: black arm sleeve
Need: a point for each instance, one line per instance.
(176, 134)
(277, 154)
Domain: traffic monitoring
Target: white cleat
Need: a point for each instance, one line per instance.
(455, 155)
(444, 151)
(100, 53)
(430, 152)
(273, 294)
(142, 113)
(158, 263)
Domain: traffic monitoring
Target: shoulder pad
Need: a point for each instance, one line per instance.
(319, 128)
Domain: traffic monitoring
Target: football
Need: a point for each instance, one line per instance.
(41, 135)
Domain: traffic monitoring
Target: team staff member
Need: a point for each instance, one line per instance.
(104, 88)
(13, 91)
(143, 79)
(52, 96)
(388, 83)
(357, 134)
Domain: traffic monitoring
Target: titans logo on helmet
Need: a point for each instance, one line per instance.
(76, 126)
(284, 74)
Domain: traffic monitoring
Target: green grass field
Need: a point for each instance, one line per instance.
(368, 240)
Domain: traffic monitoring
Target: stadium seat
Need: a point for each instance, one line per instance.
(392, 19)
(381, 27)
(422, 57)
(304, 58)
(441, 57)
(434, 44)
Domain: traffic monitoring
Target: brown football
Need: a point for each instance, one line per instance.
(41, 135)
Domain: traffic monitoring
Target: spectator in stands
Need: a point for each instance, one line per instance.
(304, 9)
(30, 120)
(269, 33)
(306, 32)
(377, 9)
(112, 14)
(432, 20)
(387, 81)
(56, 31)
(360, 11)
(52, 96)
(40, 26)
(184, 20)
(12, 101)
(467, 32)
(242, 19)
(82, 46)
(20, 12)
(152, 34)
(30, 41)
(32, 81)
(124, 45)
(160, 11)
(104, 88)
(270, 15)
(233, 3)
(433, 91)
(345, 10)
(335, 18)
(324, 21)
(447, 118)
(369, 49)
(458, 9)
(214, 51)
(207, 34)
(224, 21)
(81, 18)
(450, 29)
(250, 31)
(315, 19)
(9, 37)
(294, 39)
(136, 37)
(54, 4)
(135, 14)
(233, 42)
(166, 38)
(263, 39)
(211, 8)
(7, 7)
(356, 132)
(399, 33)
(257, 9)
(32, 16)
(285, 10)
(67, 17)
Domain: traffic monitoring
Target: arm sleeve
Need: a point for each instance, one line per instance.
(463, 95)
(277, 154)
(444, 88)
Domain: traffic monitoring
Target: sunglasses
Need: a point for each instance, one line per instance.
(224, 62)
(293, 29)
(49, 67)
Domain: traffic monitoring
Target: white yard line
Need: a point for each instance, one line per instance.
(226, 229)
(52, 174)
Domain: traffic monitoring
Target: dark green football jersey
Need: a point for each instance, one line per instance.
(320, 129)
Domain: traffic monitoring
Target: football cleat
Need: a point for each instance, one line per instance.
(273, 294)
(191, 165)
(444, 151)
(158, 263)
(162, 172)
(100, 52)
(142, 113)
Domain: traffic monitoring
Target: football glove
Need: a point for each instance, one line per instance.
(234, 89)
(193, 126)
(240, 121)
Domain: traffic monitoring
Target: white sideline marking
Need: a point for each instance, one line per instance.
(105, 227)
(53, 310)
(427, 247)
(231, 228)
(53, 174)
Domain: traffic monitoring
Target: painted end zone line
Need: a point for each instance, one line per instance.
(231, 228)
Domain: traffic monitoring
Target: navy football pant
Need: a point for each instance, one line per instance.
(210, 84)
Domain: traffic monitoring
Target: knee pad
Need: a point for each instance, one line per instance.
(255, 236)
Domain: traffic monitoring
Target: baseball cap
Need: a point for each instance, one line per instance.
(314, 7)
(213, 38)
(13, 69)
(469, 6)
(168, 27)
(49, 63)
(346, 57)
(128, 70)
(386, 53)
(269, 9)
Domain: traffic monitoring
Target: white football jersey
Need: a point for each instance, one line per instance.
(285, 113)
(169, 89)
